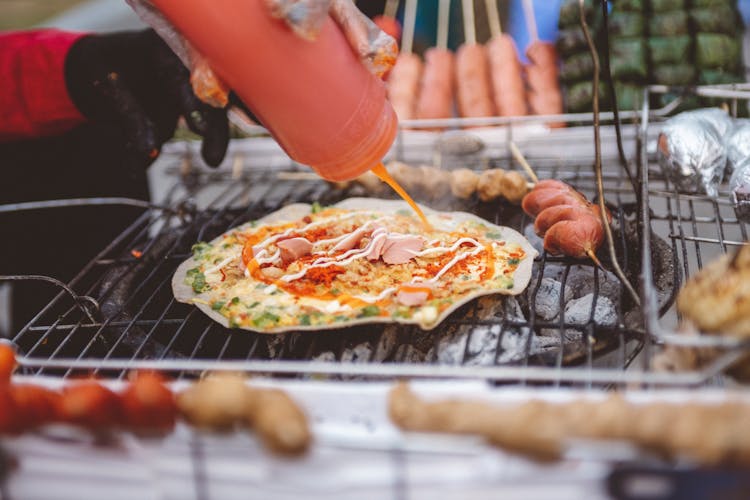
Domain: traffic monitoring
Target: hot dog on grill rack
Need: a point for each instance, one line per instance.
(541, 74)
(403, 85)
(473, 88)
(403, 80)
(568, 222)
(506, 73)
(436, 92)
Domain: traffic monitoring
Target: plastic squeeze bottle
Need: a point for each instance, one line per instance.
(315, 97)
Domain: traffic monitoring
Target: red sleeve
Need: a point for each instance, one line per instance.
(34, 100)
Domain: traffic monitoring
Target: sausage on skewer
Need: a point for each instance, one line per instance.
(544, 95)
(403, 81)
(436, 94)
(508, 89)
(403, 85)
(473, 88)
(569, 223)
(473, 81)
(507, 80)
(541, 75)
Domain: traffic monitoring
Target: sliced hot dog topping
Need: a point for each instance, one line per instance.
(293, 248)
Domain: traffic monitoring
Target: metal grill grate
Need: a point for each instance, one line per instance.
(140, 324)
(698, 229)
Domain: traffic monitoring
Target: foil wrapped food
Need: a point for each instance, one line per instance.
(738, 164)
(739, 187)
(738, 146)
(692, 152)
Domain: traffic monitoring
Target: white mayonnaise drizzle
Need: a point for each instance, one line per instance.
(260, 259)
(328, 261)
(452, 248)
(218, 266)
(272, 239)
(371, 299)
(455, 260)
(353, 254)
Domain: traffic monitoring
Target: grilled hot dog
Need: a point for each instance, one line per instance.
(473, 81)
(436, 94)
(569, 223)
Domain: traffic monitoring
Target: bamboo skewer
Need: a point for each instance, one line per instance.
(528, 11)
(442, 28)
(493, 16)
(410, 21)
(470, 32)
(522, 161)
(391, 8)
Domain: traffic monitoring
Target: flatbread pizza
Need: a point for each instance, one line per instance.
(363, 260)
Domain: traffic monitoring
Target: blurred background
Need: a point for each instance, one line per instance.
(104, 15)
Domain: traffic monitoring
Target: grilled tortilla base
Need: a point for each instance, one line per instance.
(183, 292)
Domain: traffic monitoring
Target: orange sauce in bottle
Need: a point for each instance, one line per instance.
(383, 174)
(315, 97)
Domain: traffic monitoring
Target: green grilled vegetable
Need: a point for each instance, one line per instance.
(578, 97)
(577, 67)
(668, 23)
(626, 24)
(715, 51)
(628, 59)
(716, 19)
(669, 49)
(674, 74)
(666, 5)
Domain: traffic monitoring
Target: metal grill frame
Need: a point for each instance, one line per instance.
(585, 376)
(685, 231)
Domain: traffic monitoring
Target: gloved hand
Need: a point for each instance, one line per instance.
(376, 49)
(305, 18)
(135, 81)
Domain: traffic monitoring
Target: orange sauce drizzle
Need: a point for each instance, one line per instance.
(489, 271)
(415, 289)
(381, 172)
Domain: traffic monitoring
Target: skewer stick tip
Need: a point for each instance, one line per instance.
(522, 160)
(528, 10)
(596, 260)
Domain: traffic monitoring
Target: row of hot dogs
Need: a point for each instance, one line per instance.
(485, 80)
(147, 405)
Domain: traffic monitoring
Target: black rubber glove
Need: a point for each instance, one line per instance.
(134, 80)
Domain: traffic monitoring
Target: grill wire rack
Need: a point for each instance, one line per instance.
(698, 228)
(138, 324)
